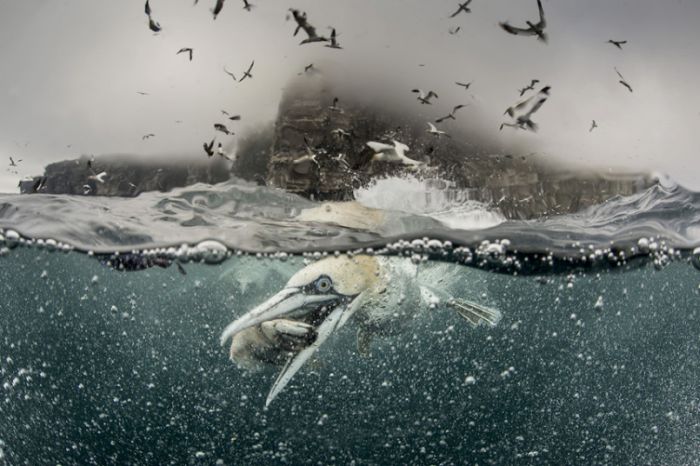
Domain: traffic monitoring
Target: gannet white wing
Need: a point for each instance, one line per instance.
(379, 147)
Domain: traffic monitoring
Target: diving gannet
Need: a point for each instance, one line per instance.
(533, 29)
(393, 154)
(381, 295)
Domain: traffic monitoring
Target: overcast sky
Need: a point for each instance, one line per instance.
(71, 70)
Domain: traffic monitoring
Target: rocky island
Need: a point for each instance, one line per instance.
(304, 153)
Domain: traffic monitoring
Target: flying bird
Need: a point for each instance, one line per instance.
(510, 111)
(529, 87)
(246, 74)
(217, 8)
(524, 121)
(247, 6)
(12, 162)
(142, 93)
(234, 117)
(100, 177)
(533, 29)
(334, 42)
(185, 49)
(617, 43)
(594, 125)
(147, 9)
(379, 295)
(424, 98)
(462, 7)
(153, 25)
(434, 131)
(222, 128)
(146, 136)
(220, 151)
(454, 30)
(392, 154)
(622, 81)
(209, 148)
(230, 74)
(451, 115)
(310, 31)
(465, 86)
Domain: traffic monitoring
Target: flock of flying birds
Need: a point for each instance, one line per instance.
(520, 113)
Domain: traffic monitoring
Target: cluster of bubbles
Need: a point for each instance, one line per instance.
(490, 254)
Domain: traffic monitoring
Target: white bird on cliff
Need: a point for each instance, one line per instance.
(381, 295)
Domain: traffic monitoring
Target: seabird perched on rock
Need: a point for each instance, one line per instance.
(334, 43)
(209, 148)
(222, 128)
(533, 29)
(529, 87)
(462, 7)
(594, 125)
(380, 295)
(310, 31)
(451, 116)
(434, 131)
(617, 43)
(622, 81)
(246, 74)
(423, 97)
(217, 8)
(392, 154)
(185, 49)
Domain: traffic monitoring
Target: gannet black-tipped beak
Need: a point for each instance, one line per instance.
(289, 302)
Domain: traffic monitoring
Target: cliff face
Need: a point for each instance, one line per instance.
(126, 176)
(520, 186)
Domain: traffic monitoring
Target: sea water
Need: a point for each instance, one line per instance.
(595, 361)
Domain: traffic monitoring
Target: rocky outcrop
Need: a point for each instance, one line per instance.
(125, 176)
(521, 186)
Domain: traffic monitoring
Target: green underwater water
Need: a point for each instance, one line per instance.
(105, 367)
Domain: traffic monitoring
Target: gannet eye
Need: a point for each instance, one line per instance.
(324, 284)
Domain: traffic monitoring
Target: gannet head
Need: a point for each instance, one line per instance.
(323, 295)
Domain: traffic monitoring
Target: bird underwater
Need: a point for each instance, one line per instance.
(380, 295)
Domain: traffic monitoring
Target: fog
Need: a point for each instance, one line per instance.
(72, 71)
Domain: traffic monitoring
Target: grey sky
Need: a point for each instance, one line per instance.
(72, 68)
